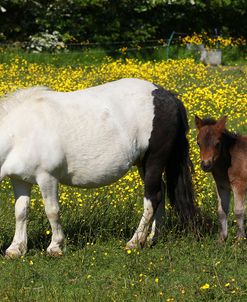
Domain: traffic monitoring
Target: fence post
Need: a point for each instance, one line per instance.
(168, 44)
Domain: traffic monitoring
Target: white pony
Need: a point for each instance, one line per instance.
(91, 138)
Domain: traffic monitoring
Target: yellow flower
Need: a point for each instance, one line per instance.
(205, 286)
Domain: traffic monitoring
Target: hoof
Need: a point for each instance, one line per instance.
(222, 239)
(132, 245)
(241, 238)
(54, 252)
(12, 254)
(151, 242)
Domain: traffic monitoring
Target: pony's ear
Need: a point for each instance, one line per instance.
(221, 123)
(198, 122)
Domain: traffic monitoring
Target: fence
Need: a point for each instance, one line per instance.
(112, 48)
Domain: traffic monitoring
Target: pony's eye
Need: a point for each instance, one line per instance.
(198, 144)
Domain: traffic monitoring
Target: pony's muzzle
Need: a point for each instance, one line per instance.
(206, 165)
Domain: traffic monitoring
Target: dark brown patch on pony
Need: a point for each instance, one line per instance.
(169, 151)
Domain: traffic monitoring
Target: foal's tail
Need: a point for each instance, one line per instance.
(178, 170)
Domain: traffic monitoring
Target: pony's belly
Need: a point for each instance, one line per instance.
(93, 165)
(93, 180)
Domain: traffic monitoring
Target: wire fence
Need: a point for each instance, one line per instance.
(93, 53)
(111, 47)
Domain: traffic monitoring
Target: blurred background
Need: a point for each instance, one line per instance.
(142, 29)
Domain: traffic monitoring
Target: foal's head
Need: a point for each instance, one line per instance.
(209, 140)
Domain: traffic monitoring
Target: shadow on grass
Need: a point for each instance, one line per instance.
(92, 223)
(79, 231)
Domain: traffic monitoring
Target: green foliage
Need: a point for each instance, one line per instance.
(124, 20)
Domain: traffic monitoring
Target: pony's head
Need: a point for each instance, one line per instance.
(209, 140)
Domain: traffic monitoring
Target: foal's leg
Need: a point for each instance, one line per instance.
(49, 190)
(22, 192)
(239, 191)
(223, 209)
(152, 198)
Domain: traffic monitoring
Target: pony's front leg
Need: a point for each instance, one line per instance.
(22, 192)
(223, 209)
(49, 190)
(239, 191)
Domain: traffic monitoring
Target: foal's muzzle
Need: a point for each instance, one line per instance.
(206, 165)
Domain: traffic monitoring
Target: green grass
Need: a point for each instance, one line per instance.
(96, 267)
(72, 58)
(89, 57)
(176, 268)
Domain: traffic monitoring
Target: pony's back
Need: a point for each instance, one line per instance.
(14, 99)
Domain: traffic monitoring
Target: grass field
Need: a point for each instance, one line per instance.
(231, 55)
(186, 265)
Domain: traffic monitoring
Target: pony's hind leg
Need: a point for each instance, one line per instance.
(22, 192)
(239, 191)
(158, 221)
(157, 224)
(49, 190)
(152, 198)
(159, 213)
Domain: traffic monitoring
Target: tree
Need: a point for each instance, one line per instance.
(123, 20)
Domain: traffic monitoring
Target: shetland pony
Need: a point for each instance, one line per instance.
(91, 138)
(224, 154)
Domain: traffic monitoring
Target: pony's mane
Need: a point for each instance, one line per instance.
(13, 99)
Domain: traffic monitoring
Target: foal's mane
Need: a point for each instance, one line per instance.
(13, 99)
(229, 138)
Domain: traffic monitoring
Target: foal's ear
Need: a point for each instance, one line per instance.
(198, 122)
(221, 123)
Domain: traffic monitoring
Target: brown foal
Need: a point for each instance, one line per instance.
(225, 155)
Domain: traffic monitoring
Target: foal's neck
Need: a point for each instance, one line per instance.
(228, 140)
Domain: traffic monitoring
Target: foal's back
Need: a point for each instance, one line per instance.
(238, 169)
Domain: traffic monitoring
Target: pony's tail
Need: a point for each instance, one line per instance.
(178, 170)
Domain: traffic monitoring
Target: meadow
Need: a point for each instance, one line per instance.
(186, 265)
